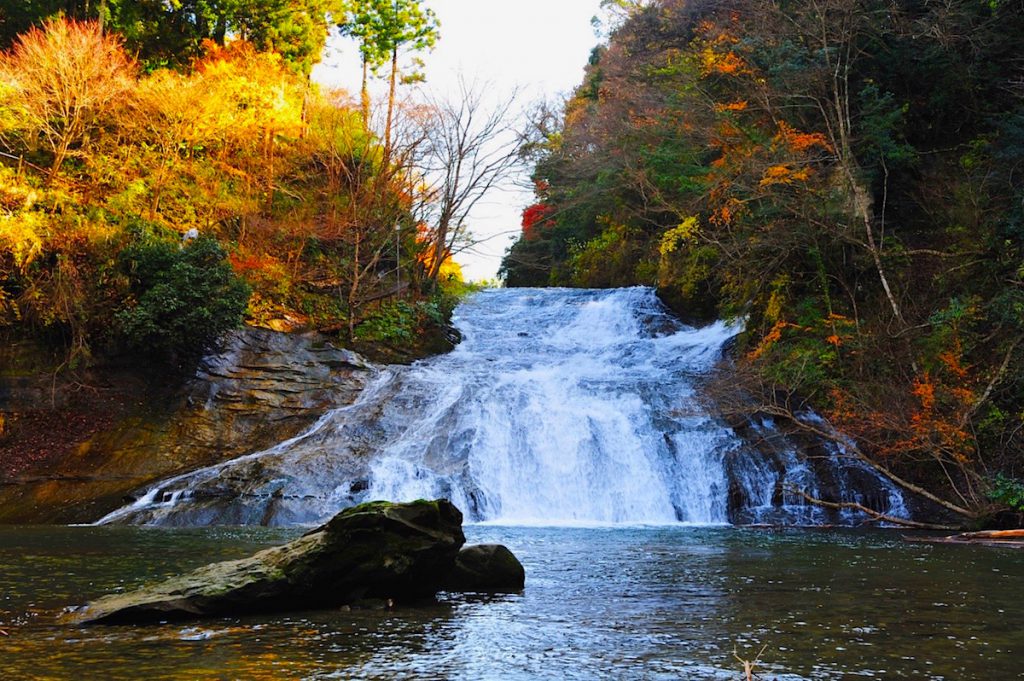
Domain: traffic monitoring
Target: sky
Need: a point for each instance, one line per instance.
(540, 46)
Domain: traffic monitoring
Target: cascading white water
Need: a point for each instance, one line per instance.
(559, 407)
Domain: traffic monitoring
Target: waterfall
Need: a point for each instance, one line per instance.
(560, 406)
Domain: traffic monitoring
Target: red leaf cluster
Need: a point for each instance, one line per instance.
(535, 218)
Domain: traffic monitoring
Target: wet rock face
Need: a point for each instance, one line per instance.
(378, 550)
(262, 387)
(486, 568)
(266, 384)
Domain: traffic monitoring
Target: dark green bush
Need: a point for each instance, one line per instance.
(183, 296)
(1007, 491)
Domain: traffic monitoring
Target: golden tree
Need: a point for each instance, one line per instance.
(67, 77)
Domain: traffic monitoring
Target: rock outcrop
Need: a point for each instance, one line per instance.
(486, 568)
(262, 387)
(378, 550)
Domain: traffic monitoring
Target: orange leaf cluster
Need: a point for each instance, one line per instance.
(924, 391)
(244, 263)
(770, 339)
(732, 106)
(951, 359)
(724, 214)
(726, 63)
(800, 142)
(717, 56)
(936, 425)
(783, 174)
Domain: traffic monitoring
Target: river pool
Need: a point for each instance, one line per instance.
(655, 602)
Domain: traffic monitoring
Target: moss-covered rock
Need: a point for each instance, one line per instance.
(379, 550)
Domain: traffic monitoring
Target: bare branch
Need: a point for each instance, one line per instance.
(470, 150)
(880, 517)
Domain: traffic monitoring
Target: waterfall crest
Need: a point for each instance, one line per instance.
(560, 406)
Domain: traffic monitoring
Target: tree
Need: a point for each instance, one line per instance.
(68, 78)
(383, 28)
(237, 108)
(361, 21)
(171, 34)
(353, 203)
(471, 149)
(845, 177)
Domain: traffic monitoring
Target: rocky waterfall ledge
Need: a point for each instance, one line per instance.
(260, 388)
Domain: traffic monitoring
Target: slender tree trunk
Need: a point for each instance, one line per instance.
(440, 244)
(353, 292)
(862, 207)
(304, 114)
(364, 96)
(391, 106)
(861, 196)
(269, 146)
(60, 152)
(220, 30)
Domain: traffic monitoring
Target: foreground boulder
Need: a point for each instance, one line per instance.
(379, 550)
(486, 568)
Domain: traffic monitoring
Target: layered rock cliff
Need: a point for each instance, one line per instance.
(72, 450)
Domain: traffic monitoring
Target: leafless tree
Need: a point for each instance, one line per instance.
(472, 147)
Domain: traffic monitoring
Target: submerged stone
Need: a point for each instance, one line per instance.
(378, 550)
(487, 568)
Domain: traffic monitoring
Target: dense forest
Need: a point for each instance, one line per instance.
(843, 175)
(169, 169)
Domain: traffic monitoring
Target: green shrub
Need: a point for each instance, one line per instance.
(183, 296)
(1007, 491)
(391, 322)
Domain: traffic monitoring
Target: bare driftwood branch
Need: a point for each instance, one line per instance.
(1013, 539)
(881, 517)
(749, 665)
(857, 453)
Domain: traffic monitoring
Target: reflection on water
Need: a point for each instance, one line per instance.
(599, 603)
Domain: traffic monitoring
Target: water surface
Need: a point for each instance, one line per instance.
(659, 602)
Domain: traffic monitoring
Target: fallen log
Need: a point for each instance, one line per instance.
(1013, 539)
(993, 534)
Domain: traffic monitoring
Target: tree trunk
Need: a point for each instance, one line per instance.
(353, 292)
(440, 245)
(364, 97)
(268, 141)
(60, 152)
(862, 208)
(391, 106)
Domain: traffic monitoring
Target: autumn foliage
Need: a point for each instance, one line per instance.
(845, 173)
(68, 81)
(101, 156)
(535, 217)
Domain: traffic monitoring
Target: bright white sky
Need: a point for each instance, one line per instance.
(538, 45)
